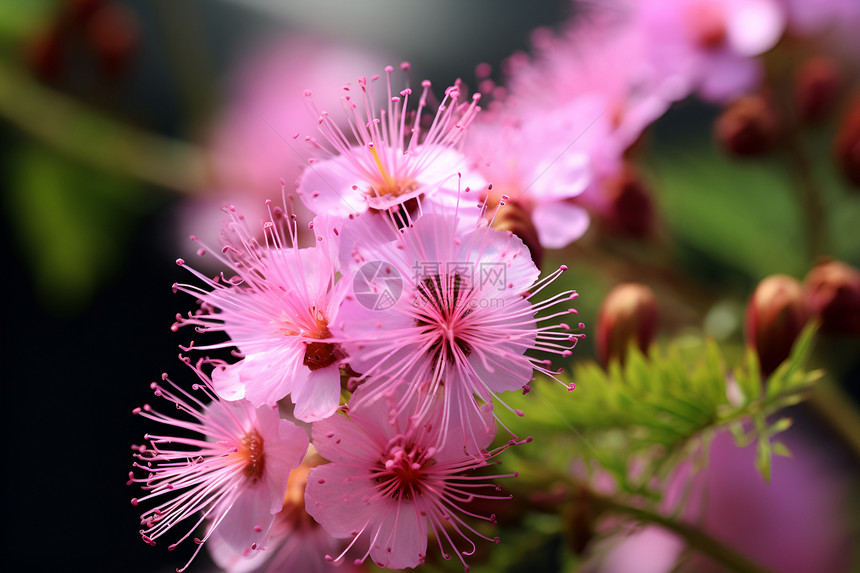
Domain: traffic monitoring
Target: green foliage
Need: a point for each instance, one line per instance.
(639, 420)
(71, 221)
(19, 19)
(744, 216)
(618, 439)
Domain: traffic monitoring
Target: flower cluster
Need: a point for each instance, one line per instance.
(350, 373)
(387, 341)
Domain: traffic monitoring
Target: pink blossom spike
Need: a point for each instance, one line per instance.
(233, 475)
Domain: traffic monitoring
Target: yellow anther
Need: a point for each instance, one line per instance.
(386, 178)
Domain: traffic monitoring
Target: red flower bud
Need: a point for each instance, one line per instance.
(832, 291)
(748, 127)
(630, 206)
(847, 144)
(44, 54)
(514, 218)
(80, 11)
(113, 33)
(816, 85)
(776, 314)
(628, 315)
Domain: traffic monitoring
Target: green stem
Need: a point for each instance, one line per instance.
(809, 194)
(836, 410)
(693, 536)
(90, 137)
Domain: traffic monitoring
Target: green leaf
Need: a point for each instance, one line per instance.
(654, 412)
(750, 379)
(780, 449)
(71, 221)
(780, 425)
(20, 20)
(762, 458)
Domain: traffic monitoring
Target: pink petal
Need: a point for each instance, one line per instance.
(326, 187)
(402, 537)
(319, 396)
(330, 499)
(248, 521)
(559, 223)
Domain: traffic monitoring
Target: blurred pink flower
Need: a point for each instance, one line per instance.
(251, 143)
(794, 524)
(821, 17)
(711, 45)
(542, 161)
(601, 55)
(831, 23)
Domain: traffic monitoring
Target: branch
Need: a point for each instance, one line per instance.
(693, 536)
(102, 142)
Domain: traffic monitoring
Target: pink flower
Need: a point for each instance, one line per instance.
(276, 310)
(827, 24)
(598, 64)
(234, 474)
(297, 544)
(825, 16)
(251, 143)
(543, 160)
(796, 523)
(464, 319)
(393, 481)
(389, 157)
(571, 111)
(710, 44)
(793, 524)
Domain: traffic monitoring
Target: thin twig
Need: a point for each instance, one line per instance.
(97, 140)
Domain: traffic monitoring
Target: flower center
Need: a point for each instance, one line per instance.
(388, 184)
(319, 354)
(441, 310)
(707, 24)
(402, 471)
(251, 450)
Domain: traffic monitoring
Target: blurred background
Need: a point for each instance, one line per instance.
(125, 124)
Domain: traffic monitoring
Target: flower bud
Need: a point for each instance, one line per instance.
(44, 55)
(847, 144)
(832, 292)
(776, 314)
(628, 315)
(80, 11)
(816, 85)
(113, 33)
(630, 207)
(748, 127)
(514, 218)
